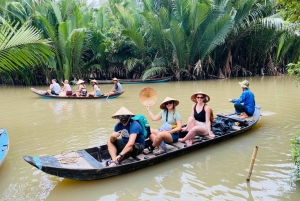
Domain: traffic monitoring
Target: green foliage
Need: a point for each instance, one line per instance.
(21, 47)
(295, 152)
(290, 10)
(294, 71)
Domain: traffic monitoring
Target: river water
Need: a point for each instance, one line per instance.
(40, 127)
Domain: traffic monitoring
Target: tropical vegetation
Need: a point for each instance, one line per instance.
(190, 39)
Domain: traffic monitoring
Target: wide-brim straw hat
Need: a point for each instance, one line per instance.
(148, 96)
(80, 81)
(115, 79)
(167, 99)
(244, 84)
(122, 111)
(95, 81)
(193, 97)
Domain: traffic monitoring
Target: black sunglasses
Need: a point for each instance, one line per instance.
(202, 97)
(123, 116)
(169, 102)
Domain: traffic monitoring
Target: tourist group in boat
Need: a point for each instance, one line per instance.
(132, 141)
(56, 90)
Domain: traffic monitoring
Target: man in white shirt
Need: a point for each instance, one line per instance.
(54, 88)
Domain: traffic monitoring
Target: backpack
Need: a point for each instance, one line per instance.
(141, 119)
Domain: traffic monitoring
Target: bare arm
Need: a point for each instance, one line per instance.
(153, 118)
(192, 112)
(178, 128)
(207, 117)
(79, 88)
(114, 136)
(128, 147)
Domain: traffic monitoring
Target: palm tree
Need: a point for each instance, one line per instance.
(22, 47)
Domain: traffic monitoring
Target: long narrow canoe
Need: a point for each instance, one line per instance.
(138, 81)
(4, 145)
(89, 164)
(41, 93)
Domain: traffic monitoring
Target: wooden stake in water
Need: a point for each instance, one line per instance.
(252, 162)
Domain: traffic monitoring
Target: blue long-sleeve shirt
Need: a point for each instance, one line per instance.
(247, 97)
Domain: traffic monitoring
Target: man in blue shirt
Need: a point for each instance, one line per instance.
(247, 98)
(117, 89)
(132, 142)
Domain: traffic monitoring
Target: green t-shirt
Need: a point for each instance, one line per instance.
(172, 117)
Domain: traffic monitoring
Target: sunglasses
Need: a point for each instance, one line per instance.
(202, 97)
(170, 102)
(123, 116)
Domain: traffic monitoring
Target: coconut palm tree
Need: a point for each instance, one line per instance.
(21, 46)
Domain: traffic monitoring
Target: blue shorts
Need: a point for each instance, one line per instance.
(98, 93)
(175, 137)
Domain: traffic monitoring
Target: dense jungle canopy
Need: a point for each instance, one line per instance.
(190, 39)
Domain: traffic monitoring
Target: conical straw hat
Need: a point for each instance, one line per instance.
(148, 96)
(167, 99)
(207, 98)
(95, 81)
(122, 111)
(80, 81)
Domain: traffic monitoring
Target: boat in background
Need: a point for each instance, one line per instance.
(90, 163)
(42, 94)
(4, 145)
(138, 81)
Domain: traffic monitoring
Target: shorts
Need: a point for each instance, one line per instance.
(83, 93)
(175, 137)
(53, 93)
(69, 93)
(137, 147)
(203, 124)
(98, 93)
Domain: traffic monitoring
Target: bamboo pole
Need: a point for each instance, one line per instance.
(252, 163)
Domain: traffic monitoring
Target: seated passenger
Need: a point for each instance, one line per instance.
(54, 88)
(81, 91)
(66, 90)
(117, 89)
(96, 90)
(199, 123)
(247, 98)
(167, 133)
(132, 142)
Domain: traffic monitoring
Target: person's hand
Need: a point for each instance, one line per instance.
(148, 107)
(116, 134)
(230, 100)
(119, 158)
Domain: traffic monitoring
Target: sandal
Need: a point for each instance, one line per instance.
(150, 151)
(160, 152)
(108, 163)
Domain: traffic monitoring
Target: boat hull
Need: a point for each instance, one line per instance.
(4, 145)
(92, 161)
(41, 93)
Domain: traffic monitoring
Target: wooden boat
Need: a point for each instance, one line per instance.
(4, 144)
(89, 164)
(41, 93)
(138, 81)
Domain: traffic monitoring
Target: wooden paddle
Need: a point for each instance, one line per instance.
(110, 91)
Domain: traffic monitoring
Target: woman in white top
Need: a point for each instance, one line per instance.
(96, 90)
(66, 90)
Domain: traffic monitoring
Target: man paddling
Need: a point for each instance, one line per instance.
(132, 142)
(117, 89)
